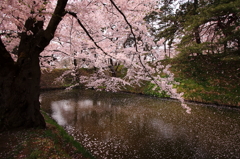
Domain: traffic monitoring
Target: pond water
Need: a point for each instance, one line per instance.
(122, 125)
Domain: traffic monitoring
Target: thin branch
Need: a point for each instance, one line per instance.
(109, 10)
(125, 18)
(57, 51)
(88, 34)
(134, 37)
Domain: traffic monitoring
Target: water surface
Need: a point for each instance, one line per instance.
(121, 125)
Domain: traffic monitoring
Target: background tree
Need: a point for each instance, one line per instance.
(199, 26)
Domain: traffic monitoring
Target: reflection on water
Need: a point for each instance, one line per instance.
(117, 125)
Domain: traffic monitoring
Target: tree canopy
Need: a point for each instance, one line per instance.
(97, 34)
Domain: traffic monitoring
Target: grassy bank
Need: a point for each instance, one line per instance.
(52, 142)
(209, 79)
(205, 79)
(49, 79)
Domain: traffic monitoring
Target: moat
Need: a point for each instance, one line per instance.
(122, 125)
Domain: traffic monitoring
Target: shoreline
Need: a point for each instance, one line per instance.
(164, 98)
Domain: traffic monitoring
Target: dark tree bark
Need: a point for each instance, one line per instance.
(19, 94)
(196, 29)
(20, 81)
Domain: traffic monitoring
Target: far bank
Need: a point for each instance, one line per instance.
(206, 79)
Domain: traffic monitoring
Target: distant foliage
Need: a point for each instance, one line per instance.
(198, 27)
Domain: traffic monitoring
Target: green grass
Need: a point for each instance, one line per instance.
(212, 79)
(148, 90)
(209, 79)
(67, 139)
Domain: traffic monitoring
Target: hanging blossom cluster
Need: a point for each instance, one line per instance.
(166, 83)
(95, 34)
(121, 37)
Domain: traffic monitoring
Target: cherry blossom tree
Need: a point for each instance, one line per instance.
(98, 33)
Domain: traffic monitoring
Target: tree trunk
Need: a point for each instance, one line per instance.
(20, 81)
(19, 95)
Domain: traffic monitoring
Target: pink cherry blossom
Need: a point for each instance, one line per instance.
(94, 33)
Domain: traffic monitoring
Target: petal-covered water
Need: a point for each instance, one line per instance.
(120, 125)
